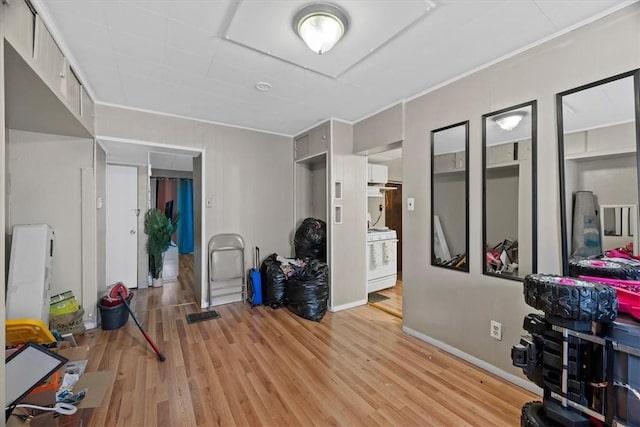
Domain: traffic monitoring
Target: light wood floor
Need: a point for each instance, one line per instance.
(264, 367)
(393, 305)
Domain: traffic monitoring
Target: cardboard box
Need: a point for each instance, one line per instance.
(95, 383)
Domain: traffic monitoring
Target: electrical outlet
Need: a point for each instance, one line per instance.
(496, 330)
(380, 208)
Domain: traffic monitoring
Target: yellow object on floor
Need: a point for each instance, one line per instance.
(22, 331)
(69, 305)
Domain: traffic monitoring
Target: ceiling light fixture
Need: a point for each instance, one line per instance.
(263, 86)
(321, 26)
(509, 120)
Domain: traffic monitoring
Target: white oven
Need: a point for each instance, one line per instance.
(382, 248)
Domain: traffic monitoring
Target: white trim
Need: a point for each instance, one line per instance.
(348, 305)
(195, 151)
(204, 243)
(607, 125)
(177, 116)
(90, 324)
(520, 382)
(124, 163)
(43, 11)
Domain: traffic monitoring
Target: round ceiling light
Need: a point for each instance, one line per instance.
(263, 86)
(321, 26)
(509, 120)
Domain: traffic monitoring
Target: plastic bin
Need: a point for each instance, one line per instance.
(116, 316)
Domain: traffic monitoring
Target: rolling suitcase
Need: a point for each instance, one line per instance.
(254, 282)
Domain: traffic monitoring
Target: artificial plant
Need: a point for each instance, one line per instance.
(159, 229)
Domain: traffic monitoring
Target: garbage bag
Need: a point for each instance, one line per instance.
(307, 292)
(310, 240)
(273, 282)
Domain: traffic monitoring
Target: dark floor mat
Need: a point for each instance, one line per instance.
(202, 316)
(376, 297)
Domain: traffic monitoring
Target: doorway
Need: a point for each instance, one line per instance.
(389, 208)
(122, 225)
(139, 156)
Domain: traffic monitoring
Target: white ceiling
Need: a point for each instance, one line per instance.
(202, 59)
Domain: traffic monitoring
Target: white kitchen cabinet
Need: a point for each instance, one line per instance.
(499, 154)
(87, 109)
(19, 22)
(312, 143)
(73, 90)
(302, 147)
(524, 150)
(318, 138)
(449, 162)
(49, 59)
(377, 174)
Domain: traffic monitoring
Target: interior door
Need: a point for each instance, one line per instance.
(122, 225)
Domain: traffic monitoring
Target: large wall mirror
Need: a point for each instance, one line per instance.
(509, 191)
(598, 136)
(449, 196)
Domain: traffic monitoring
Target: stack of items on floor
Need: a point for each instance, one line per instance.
(113, 311)
(302, 284)
(45, 371)
(65, 314)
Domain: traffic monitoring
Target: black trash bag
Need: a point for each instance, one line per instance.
(307, 292)
(273, 282)
(310, 240)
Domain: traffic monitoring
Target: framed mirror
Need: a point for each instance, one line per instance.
(598, 137)
(509, 226)
(449, 196)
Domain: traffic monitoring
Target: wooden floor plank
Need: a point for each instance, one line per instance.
(264, 367)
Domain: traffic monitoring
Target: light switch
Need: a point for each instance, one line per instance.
(410, 203)
(209, 203)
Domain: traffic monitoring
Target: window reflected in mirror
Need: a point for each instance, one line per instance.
(449, 197)
(509, 188)
(597, 135)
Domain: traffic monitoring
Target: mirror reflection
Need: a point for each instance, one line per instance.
(509, 162)
(599, 181)
(449, 201)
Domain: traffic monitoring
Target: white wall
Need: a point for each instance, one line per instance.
(395, 170)
(502, 204)
(612, 180)
(348, 239)
(45, 187)
(319, 194)
(248, 174)
(373, 207)
(449, 202)
(456, 308)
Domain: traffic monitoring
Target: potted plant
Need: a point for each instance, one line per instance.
(159, 229)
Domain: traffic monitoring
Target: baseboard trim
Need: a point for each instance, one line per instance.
(348, 306)
(90, 324)
(520, 382)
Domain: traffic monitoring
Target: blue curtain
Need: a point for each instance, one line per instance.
(185, 208)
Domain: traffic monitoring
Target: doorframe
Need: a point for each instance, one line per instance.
(200, 299)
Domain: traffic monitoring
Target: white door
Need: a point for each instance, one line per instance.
(122, 225)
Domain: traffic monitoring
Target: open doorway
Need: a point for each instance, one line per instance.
(384, 237)
(153, 162)
(171, 191)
